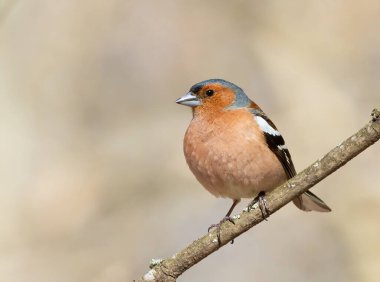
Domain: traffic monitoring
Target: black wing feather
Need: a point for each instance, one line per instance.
(307, 201)
(277, 145)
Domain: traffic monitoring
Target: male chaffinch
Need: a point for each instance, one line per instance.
(234, 149)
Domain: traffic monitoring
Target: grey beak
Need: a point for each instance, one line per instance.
(189, 99)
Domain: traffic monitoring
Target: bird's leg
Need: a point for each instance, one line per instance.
(263, 204)
(226, 218)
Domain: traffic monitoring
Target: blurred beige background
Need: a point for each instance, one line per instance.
(93, 179)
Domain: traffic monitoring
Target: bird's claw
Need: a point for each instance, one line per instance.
(218, 225)
(263, 204)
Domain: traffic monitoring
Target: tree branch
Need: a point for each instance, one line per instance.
(170, 268)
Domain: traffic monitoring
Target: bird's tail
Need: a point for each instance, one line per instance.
(310, 202)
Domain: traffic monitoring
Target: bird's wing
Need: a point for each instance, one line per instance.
(275, 141)
(306, 201)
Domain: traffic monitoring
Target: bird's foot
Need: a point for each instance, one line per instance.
(263, 204)
(218, 225)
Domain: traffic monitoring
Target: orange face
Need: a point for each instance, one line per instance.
(215, 96)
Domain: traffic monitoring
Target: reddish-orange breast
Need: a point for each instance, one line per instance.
(227, 152)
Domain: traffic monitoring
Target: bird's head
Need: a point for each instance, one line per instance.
(216, 94)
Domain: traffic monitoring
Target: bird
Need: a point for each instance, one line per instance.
(234, 150)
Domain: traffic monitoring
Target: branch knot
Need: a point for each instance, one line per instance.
(375, 115)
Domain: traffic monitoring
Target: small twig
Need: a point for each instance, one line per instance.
(170, 268)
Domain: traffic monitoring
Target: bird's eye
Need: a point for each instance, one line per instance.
(210, 92)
